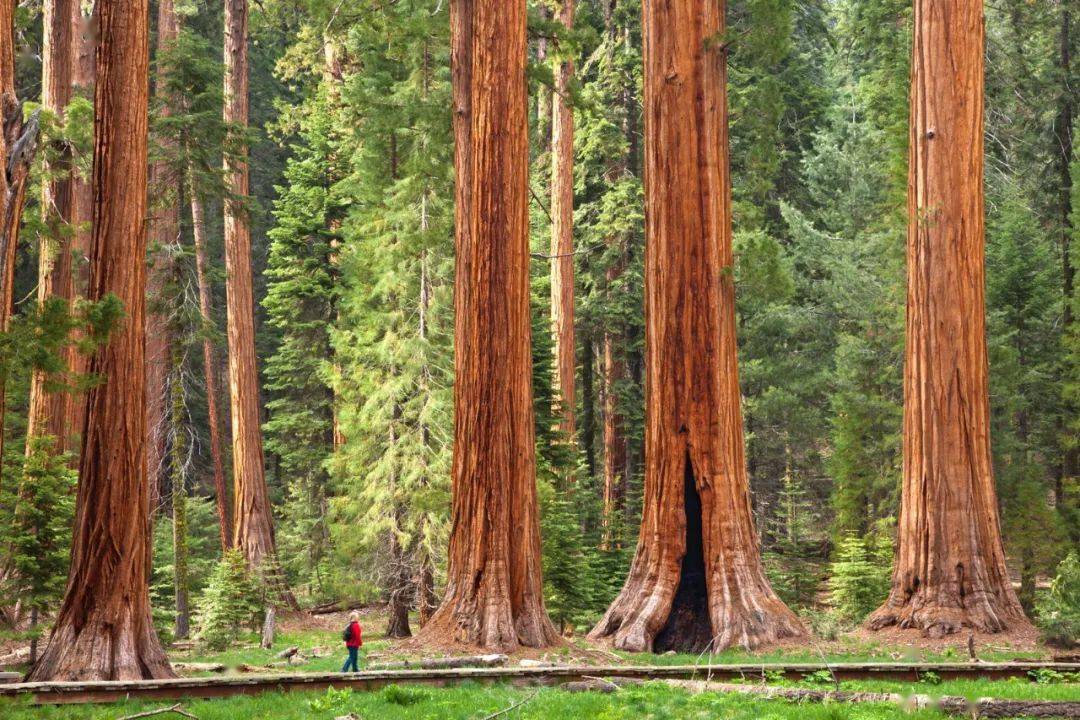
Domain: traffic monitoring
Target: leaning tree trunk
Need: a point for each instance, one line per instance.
(49, 413)
(164, 234)
(494, 593)
(562, 234)
(18, 146)
(697, 580)
(104, 630)
(253, 525)
(210, 365)
(950, 565)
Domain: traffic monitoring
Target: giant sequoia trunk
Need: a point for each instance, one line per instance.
(104, 630)
(696, 581)
(950, 566)
(49, 412)
(562, 234)
(164, 234)
(253, 528)
(494, 594)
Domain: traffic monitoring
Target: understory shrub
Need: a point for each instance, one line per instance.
(860, 577)
(230, 602)
(1059, 610)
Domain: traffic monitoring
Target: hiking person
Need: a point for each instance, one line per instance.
(354, 638)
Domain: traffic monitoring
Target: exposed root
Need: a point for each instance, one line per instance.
(937, 619)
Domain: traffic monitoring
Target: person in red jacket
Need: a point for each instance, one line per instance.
(354, 638)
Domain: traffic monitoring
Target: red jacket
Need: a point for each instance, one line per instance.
(356, 638)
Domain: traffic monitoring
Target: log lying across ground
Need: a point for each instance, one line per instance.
(471, 661)
(950, 705)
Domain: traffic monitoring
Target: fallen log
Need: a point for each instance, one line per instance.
(444, 663)
(598, 685)
(337, 606)
(288, 653)
(949, 705)
(18, 657)
(10, 677)
(198, 667)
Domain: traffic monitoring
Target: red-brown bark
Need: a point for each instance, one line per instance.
(696, 581)
(224, 507)
(950, 565)
(164, 235)
(83, 73)
(562, 234)
(253, 525)
(494, 594)
(49, 412)
(104, 630)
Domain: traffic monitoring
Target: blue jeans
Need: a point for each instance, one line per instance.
(351, 661)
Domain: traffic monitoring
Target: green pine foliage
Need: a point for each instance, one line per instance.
(231, 603)
(859, 575)
(1059, 610)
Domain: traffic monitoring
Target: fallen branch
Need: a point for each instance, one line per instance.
(513, 707)
(949, 705)
(178, 709)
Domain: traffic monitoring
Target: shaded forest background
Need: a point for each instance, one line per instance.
(352, 213)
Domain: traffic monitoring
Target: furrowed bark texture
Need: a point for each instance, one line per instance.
(224, 507)
(82, 217)
(164, 232)
(950, 565)
(494, 594)
(104, 630)
(253, 528)
(49, 412)
(696, 581)
(562, 235)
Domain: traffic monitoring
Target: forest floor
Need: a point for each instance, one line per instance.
(318, 640)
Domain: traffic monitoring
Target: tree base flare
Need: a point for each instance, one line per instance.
(124, 649)
(488, 624)
(938, 618)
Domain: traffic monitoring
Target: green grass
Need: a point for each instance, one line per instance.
(473, 702)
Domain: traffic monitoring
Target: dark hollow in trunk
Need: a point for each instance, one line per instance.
(688, 628)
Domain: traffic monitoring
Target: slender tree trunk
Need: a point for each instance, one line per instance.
(104, 630)
(950, 565)
(198, 224)
(562, 235)
(253, 526)
(696, 581)
(18, 146)
(614, 372)
(85, 40)
(615, 454)
(178, 462)
(494, 595)
(164, 235)
(49, 412)
(401, 579)
(1070, 458)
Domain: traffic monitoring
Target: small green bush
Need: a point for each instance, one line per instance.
(1059, 610)
(231, 601)
(860, 577)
